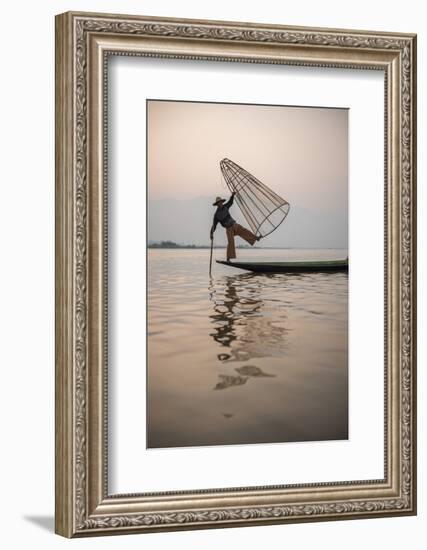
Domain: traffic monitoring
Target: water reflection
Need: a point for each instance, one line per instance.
(227, 381)
(279, 344)
(245, 325)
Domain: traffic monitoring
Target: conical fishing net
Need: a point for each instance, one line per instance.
(262, 208)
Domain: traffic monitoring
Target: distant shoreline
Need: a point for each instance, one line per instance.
(193, 246)
(175, 246)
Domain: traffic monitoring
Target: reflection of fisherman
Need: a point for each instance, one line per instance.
(239, 323)
(225, 315)
(222, 215)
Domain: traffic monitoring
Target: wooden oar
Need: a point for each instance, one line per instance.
(210, 261)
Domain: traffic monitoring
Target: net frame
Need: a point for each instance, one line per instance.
(261, 207)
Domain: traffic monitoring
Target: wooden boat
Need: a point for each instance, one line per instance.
(291, 267)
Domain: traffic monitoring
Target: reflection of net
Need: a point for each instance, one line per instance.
(262, 208)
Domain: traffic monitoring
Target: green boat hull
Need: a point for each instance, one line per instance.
(331, 266)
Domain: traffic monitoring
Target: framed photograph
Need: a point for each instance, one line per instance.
(235, 274)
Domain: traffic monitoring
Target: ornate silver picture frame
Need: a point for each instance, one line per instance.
(84, 42)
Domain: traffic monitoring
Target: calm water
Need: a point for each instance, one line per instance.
(245, 358)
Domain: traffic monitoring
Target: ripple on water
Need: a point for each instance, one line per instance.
(274, 349)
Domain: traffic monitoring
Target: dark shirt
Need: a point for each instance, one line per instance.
(222, 215)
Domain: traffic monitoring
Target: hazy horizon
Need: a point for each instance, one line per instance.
(302, 228)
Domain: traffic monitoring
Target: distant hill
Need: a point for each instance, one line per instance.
(189, 221)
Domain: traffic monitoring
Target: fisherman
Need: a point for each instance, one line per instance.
(232, 228)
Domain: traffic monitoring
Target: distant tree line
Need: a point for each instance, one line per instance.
(172, 244)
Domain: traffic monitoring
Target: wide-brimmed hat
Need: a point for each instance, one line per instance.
(218, 200)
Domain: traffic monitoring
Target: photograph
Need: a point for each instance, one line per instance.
(247, 273)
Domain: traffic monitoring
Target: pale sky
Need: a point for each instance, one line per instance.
(300, 153)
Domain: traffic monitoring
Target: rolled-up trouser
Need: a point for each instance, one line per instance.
(237, 229)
